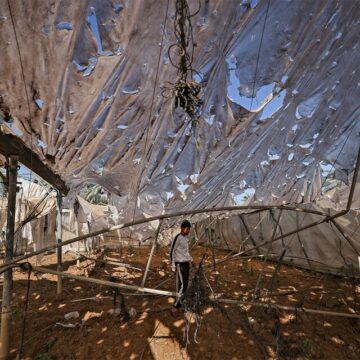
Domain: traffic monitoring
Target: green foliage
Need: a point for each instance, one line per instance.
(308, 347)
(94, 194)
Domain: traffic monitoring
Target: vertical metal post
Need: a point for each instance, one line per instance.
(266, 255)
(151, 255)
(78, 243)
(9, 249)
(248, 232)
(59, 239)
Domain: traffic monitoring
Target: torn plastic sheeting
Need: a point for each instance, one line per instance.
(106, 154)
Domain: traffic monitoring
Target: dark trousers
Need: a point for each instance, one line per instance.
(182, 280)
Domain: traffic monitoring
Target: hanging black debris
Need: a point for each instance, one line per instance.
(186, 91)
(196, 299)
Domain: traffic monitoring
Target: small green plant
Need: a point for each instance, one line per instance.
(307, 347)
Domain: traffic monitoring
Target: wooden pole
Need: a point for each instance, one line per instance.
(59, 239)
(12, 145)
(9, 245)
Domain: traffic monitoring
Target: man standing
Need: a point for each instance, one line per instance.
(180, 261)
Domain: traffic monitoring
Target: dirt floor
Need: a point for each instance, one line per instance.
(225, 332)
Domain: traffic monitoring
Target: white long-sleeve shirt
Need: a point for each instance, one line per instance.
(179, 250)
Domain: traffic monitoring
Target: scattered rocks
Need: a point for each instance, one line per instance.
(72, 315)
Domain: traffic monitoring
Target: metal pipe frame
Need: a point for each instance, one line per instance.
(172, 294)
(197, 211)
(286, 308)
(266, 256)
(104, 282)
(168, 216)
(151, 255)
(59, 239)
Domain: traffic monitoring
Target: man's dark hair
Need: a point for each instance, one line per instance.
(185, 224)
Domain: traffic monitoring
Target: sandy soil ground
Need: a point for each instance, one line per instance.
(226, 332)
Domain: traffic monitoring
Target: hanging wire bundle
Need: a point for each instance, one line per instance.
(196, 299)
(119, 307)
(186, 91)
(187, 97)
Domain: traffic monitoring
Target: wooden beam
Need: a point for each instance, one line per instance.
(12, 145)
(9, 251)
